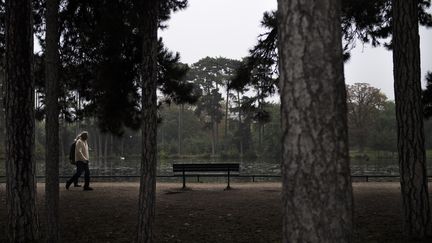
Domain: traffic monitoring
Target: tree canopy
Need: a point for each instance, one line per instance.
(100, 53)
(427, 96)
(368, 21)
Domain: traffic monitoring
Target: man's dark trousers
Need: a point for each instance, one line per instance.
(81, 166)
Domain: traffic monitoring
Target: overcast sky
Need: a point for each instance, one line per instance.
(228, 28)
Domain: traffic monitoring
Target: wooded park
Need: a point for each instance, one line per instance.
(303, 154)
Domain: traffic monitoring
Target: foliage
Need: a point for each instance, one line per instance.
(210, 74)
(427, 96)
(172, 78)
(100, 61)
(383, 131)
(364, 102)
(368, 21)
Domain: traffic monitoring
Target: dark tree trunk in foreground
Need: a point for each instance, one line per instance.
(317, 192)
(22, 223)
(147, 195)
(52, 122)
(2, 117)
(409, 115)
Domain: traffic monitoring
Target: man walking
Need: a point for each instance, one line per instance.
(82, 160)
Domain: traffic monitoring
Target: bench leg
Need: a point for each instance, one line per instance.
(228, 186)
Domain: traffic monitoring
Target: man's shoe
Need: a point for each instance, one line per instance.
(68, 185)
(88, 189)
(77, 185)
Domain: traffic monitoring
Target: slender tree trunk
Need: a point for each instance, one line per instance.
(213, 139)
(409, 115)
(100, 150)
(122, 146)
(2, 117)
(52, 122)
(111, 148)
(22, 223)
(226, 113)
(240, 126)
(216, 137)
(162, 135)
(76, 127)
(62, 142)
(106, 148)
(259, 136)
(147, 195)
(317, 193)
(179, 132)
(36, 98)
(79, 108)
(259, 124)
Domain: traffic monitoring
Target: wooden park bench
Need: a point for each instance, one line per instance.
(206, 168)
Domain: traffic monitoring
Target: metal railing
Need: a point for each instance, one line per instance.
(253, 177)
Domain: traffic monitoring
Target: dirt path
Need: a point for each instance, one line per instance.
(249, 213)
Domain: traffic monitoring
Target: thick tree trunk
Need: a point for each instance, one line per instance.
(409, 115)
(147, 195)
(2, 117)
(52, 122)
(317, 192)
(22, 223)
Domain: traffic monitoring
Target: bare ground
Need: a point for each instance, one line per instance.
(248, 213)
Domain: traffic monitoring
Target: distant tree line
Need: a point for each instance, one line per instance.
(184, 132)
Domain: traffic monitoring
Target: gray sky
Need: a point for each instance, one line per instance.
(228, 28)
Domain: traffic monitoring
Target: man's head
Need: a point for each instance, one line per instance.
(84, 135)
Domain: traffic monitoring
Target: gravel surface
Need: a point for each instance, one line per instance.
(206, 213)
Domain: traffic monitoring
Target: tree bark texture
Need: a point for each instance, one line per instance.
(147, 195)
(2, 115)
(317, 192)
(409, 116)
(52, 122)
(22, 223)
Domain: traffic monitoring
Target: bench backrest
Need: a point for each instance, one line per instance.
(221, 167)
